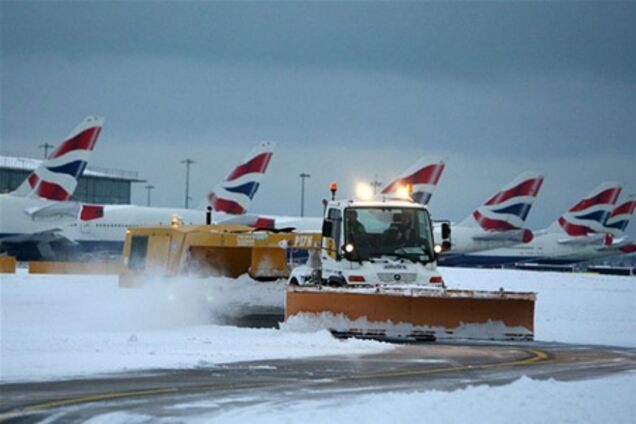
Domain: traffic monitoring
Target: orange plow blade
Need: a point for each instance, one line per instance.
(415, 313)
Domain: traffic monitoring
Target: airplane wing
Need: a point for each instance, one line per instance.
(275, 223)
(57, 209)
(47, 236)
(599, 239)
(250, 220)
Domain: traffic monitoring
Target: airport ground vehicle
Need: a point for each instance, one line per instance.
(208, 250)
(377, 277)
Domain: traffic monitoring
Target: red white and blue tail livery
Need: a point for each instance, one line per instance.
(498, 222)
(590, 215)
(235, 193)
(618, 220)
(508, 209)
(34, 213)
(422, 177)
(580, 234)
(56, 177)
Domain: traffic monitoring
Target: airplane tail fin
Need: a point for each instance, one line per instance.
(590, 214)
(56, 177)
(235, 193)
(507, 210)
(618, 220)
(422, 176)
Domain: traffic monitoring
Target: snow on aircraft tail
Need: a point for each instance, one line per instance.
(508, 209)
(619, 218)
(56, 177)
(235, 193)
(422, 177)
(590, 214)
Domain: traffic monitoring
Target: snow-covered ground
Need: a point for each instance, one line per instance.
(65, 326)
(49, 319)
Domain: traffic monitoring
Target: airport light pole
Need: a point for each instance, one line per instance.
(376, 185)
(148, 187)
(187, 162)
(303, 176)
(46, 147)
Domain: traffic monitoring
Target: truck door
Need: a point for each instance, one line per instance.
(332, 232)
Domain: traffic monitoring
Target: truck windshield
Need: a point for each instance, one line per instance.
(389, 231)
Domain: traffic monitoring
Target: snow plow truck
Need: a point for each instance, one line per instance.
(375, 276)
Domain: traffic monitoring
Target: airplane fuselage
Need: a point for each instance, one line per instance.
(108, 231)
(474, 239)
(15, 219)
(547, 248)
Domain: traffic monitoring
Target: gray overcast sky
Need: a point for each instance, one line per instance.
(347, 90)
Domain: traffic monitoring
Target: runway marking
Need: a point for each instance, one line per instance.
(231, 386)
(537, 356)
(84, 399)
(119, 395)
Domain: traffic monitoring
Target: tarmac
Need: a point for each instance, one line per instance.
(409, 367)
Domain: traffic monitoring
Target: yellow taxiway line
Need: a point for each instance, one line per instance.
(537, 356)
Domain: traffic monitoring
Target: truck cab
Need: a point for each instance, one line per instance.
(388, 242)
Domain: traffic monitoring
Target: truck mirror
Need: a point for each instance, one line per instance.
(446, 230)
(326, 228)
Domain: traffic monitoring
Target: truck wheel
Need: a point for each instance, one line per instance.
(294, 282)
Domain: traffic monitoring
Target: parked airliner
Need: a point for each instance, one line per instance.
(31, 213)
(581, 227)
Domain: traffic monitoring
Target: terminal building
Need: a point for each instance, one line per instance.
(97, 185)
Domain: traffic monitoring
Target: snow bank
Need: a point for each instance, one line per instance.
(60, 326)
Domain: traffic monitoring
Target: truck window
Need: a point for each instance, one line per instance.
(138, 252)
(335, 217)
(378, 231)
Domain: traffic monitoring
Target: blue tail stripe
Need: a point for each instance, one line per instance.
(248, 189)
(598, 216)
(421, 197)
(618, 225)
(520, 209)
(74, 169)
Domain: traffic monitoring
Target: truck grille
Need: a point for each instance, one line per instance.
(397, 277)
